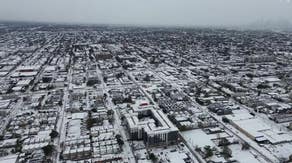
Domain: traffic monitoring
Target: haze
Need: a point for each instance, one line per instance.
(147, 12)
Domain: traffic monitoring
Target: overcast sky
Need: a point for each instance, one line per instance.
(147, 12)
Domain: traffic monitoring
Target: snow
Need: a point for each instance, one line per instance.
(199, 138)
(244, 156)
(281, 150)
(246, 122)
(8, 159)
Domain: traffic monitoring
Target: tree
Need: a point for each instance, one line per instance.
(119, 75)
(94, 110)
(153, 157)
(1, 137)
(89, 123)
(18, 146)
(225, 120)
(208, 151)
(147, 78)
(183, 128)
(48, 150)
(50, 87)
(105, 79)
(223, 142)
(259, 92)
(119, 140)
(226, 152)
(110, 112)
(198, 149)
(111, 120)
(199, 101)
(91, 50)
(118, 136)
(54, 134)
(290, 95)
(245, 146)
(250, 75)
(290, 126)
(263, 86)
(128, 99)
(90, 83)
(290, 158)
(47, 80)
(198, 91)
(104, 95)
(154, 97)
(60, 103)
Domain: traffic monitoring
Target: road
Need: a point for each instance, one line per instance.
(11, 114)
(61, 125)
(62, 119)
(262, 152)
(269, 157)
(127, 150)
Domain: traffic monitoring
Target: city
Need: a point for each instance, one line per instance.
(89, 94)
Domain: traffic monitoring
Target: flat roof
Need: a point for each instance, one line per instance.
(149, 124)
(9, 159)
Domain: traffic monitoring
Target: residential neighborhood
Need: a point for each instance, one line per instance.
(92, 94)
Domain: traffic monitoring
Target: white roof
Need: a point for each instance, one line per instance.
(16, 88)
(23, 82)
(34, 67)
(3, 73)
(9, 159)
(4, 103)
(17, 74)
(259, 128)
(50, 68)
(79, 115)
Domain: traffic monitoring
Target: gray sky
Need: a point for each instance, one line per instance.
(147, 12)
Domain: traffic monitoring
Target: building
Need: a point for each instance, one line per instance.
(260, 59)
(152, 126)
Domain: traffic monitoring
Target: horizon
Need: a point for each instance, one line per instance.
(208, 13)
(85, 85)
(236, 28)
